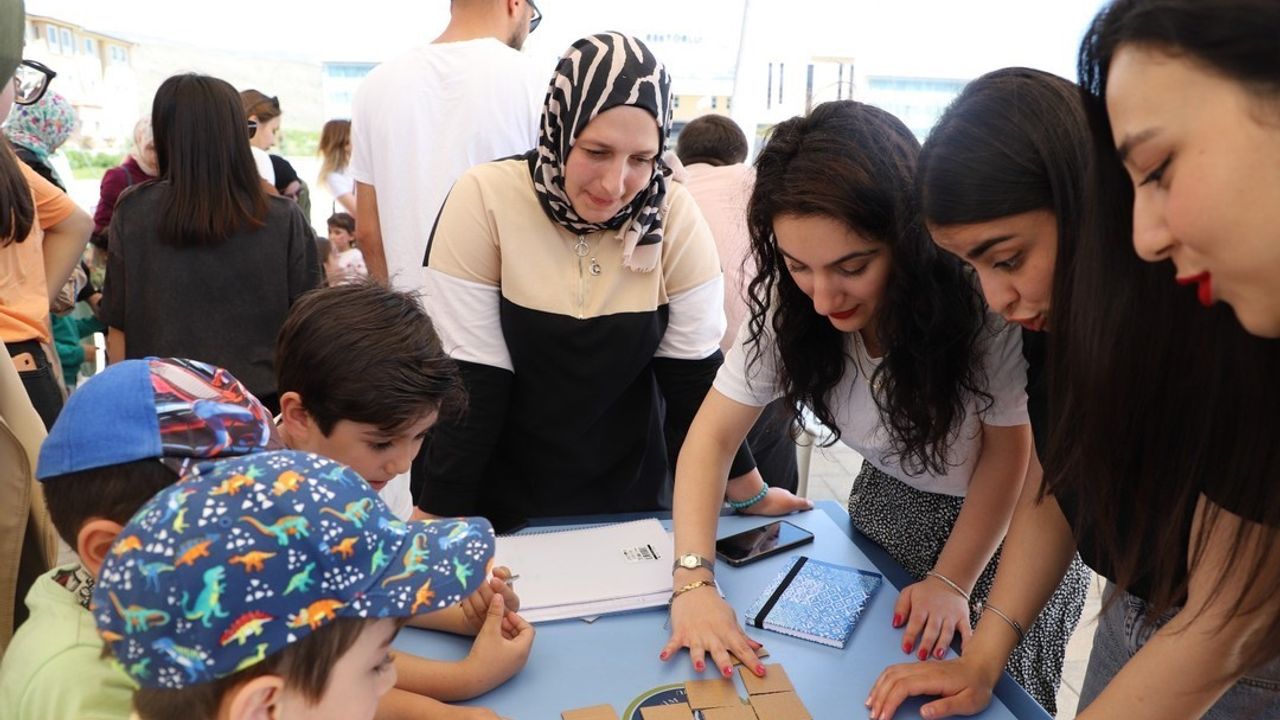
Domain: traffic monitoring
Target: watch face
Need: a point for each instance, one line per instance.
(689, 561)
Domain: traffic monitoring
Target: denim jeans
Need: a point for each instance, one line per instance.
(1122, 631)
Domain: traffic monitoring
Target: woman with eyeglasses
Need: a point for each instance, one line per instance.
(204, 263)
(42, 235)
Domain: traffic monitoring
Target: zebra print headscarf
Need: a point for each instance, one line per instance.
(598, 73)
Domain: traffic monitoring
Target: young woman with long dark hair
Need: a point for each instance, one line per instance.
(1161, 459)
(202, 262)
(859, 317)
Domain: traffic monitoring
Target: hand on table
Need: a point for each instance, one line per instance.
(964, 684)
(703, 622)
(475, 607)
(933, 614)
(501, 647)
(779, 502)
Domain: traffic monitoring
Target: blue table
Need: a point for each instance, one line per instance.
(615, 659)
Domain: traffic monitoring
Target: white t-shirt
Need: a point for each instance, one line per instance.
(858, 417)
(351, 265)
(421, 120)
(339, 184)
(262, 159)
(398, 496)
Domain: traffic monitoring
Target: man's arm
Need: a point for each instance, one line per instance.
(369, 232)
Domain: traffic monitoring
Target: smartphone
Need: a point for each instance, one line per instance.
(771, 539)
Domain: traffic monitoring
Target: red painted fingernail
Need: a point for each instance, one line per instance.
(897, 620)
(906, 646)
(663, 655)
(939, 653)
(726, 671)
(924, 653)
(760, 670)
(699, 666)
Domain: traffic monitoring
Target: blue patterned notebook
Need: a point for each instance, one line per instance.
(815, 601)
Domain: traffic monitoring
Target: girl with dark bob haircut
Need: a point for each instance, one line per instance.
(1173, 503)
(202, 262)
(859, 318)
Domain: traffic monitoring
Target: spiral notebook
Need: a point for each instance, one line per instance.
(589, 571)
(814, 600)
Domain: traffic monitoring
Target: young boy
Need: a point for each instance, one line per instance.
(348, 261)
(282, 593)
(122, 437)
(362, 377)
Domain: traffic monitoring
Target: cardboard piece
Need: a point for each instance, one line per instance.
(762, 653)
(595, 712)
(732, 712)
(667, 712)
(717, 692)
(779, 706)
(775, 680)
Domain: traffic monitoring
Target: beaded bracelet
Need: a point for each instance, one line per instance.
(740, 505)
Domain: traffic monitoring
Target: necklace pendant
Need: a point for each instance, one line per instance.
(595, 267)
(580, 248)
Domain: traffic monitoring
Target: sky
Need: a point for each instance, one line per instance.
(943, 38)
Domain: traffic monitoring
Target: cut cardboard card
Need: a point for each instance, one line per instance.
(779, 706)
(595, 712)
(667, 712)
(732, 712)
(775, 680)
(717, 692)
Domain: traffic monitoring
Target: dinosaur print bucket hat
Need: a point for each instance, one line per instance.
(248, 554)
(171, 409)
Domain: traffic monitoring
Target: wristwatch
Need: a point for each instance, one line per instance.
(691, 561)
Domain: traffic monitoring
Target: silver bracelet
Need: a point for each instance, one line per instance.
(984, 606)
(951, 584)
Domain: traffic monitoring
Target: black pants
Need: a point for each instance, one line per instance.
(40, 382)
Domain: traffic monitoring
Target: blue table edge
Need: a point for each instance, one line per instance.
(1008, 691)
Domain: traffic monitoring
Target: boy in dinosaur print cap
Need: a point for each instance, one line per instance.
(123, 436)
(276, 604)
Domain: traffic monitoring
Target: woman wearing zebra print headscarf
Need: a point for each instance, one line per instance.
(580, 291)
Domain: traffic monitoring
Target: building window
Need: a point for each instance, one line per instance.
(675, 102)
(728, 103)
(713, 102)
(68, 41)
(51, 37)
(89, 46)
(119, 56)
(32, 34)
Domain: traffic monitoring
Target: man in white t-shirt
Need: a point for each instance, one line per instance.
(421, 120)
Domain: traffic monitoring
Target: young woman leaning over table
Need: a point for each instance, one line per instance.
(1174, 504)
(858, 316)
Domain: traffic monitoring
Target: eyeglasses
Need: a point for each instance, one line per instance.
(31, 81)
(535, 18)
(253, 128)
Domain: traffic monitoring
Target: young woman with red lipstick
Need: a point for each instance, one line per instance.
(1162, 460)
(856, 315)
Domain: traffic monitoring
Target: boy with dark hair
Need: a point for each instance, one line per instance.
(294, 579)
(122, 437)
(712, 139)
(363, 377)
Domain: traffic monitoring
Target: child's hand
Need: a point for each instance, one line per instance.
(501, 648)
(475, 607)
